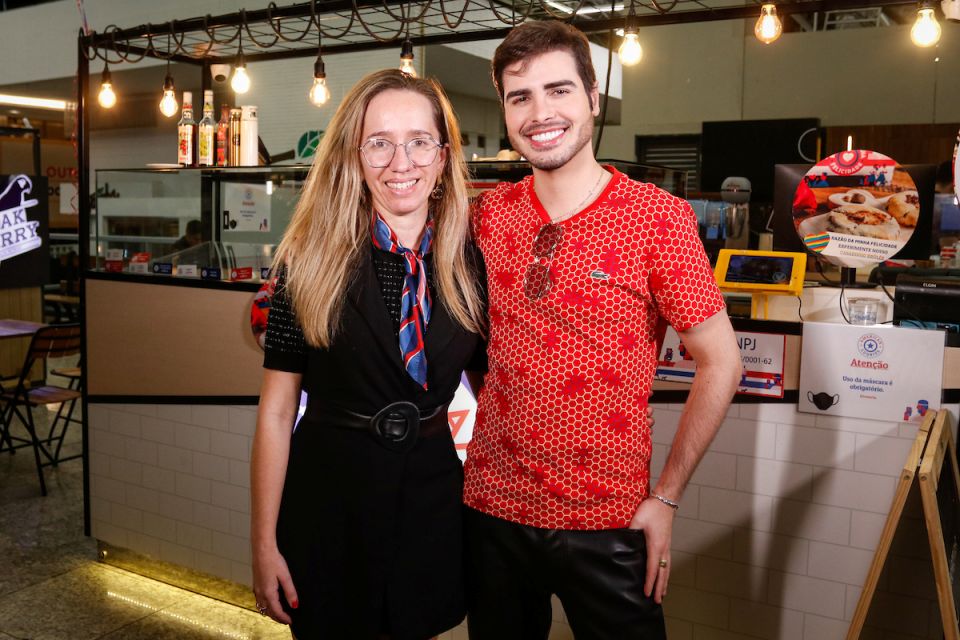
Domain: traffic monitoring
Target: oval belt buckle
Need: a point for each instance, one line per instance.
(397, 426)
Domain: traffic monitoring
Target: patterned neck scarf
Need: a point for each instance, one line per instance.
(415, 300)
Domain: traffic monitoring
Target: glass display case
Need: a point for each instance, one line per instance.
(211, 223)
(225, 223)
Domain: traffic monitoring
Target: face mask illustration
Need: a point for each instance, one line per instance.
(823, 400)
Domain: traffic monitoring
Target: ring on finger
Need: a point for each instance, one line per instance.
(262, 609)
(663, 563)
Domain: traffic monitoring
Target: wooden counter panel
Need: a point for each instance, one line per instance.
(156, 340)
(18, 304)
(951, 368)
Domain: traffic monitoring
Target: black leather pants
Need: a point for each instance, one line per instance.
(513, 569)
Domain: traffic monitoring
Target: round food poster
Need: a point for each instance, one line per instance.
(856, 208)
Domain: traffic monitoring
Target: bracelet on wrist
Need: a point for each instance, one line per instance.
(667, 501)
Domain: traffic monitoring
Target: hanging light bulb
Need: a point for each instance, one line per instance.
(107, 98)
(168, 104)
(406, 59)
(926, 30)
(319, 92)
(768, 27)
(630, 51)
(240, 82)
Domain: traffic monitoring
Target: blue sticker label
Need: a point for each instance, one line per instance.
(163, 268)
(210, 273)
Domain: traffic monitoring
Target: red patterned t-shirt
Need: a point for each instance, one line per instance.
(560, 439)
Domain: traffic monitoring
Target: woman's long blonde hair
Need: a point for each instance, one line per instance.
(331, 225)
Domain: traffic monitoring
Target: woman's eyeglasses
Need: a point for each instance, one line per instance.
(379, 152)
(537, 281)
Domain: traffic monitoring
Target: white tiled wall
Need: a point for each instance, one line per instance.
(173, 482)
(773, 539)
(780, 549)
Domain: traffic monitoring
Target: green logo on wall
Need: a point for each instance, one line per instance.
(307, 144)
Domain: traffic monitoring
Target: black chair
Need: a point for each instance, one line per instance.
(49, 342)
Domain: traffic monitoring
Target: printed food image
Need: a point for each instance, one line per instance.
(855, 208)
(905, 207)
(861, 220)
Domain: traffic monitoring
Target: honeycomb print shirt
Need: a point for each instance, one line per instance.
(561, 440)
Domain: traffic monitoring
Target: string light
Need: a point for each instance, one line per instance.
(630, 51)
(926, 30)
(107, 98)
(168, 103)
(768, 27)
(319, 92)
(406, 59)
(240, 82)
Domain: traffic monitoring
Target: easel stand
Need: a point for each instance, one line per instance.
(933, 446)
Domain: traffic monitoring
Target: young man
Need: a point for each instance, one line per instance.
(583, 263)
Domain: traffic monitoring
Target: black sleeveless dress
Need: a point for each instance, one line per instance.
(372, 536)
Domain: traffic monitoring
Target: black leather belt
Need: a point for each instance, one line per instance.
(397, 426)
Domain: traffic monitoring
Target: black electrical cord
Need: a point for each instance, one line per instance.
(843, 311)
(606, 96)
(843, 306)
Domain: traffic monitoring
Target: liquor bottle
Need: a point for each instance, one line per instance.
(205, 132)
(223, 136)
(235, 137)
(186, 132)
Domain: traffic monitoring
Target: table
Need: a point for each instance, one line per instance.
(10, 328)
(11, 356)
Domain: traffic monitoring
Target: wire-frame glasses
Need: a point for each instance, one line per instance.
(379, 152)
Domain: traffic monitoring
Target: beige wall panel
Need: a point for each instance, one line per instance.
(17, 304)
(153, 339)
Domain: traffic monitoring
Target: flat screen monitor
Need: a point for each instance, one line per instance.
(786, 177)
(750, 147)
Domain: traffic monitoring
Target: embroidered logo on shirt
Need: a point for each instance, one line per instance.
(597, 274)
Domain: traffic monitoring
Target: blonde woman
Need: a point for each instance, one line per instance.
(356, 513)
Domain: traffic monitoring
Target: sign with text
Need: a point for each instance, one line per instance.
(761, 354)
(874, 372)
(246, 207)
(24, 232)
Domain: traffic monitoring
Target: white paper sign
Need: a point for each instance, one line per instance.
(761, 354)
(68, 198)
(874, 372)
(246, 207)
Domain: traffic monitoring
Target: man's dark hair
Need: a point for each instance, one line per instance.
(193, 228)
(532, 39)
